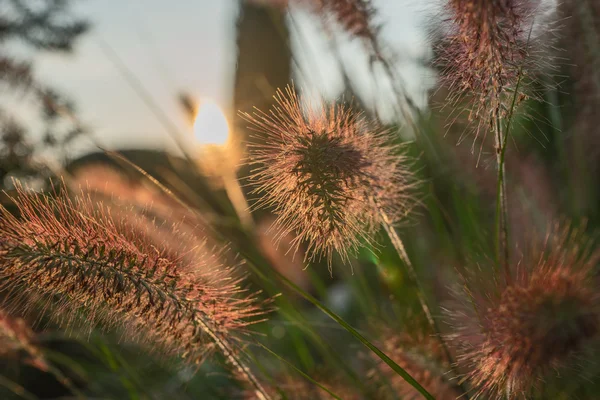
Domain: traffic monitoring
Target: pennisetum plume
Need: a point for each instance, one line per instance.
(483, 54)
(156, 282)
(511, 337)
(329, 174)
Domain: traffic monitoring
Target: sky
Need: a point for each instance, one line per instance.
(189, 45)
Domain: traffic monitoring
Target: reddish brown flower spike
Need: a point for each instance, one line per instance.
(483, 55)
(535, 325)
(158, 283)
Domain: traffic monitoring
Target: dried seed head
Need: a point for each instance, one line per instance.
(523, 331)
(423, 359)
(484, 56)
(73, 255)
(328, 173)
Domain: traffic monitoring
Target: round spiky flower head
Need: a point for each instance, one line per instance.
(520, 332)
(329, 174)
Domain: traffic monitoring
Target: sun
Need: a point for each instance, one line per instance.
(211, 126)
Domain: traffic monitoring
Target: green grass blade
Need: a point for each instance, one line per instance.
(304, 375)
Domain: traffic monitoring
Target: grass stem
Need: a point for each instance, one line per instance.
(412, 274)
(502, 249)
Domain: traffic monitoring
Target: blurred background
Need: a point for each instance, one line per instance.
(137, 72)
(161, 83)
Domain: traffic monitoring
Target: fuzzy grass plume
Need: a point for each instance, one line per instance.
(484, 55)
(512, 337)
(80, 258)
(328, 173)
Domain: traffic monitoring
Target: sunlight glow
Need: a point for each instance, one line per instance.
(211, 127)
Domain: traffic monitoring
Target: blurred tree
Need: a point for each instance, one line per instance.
(44, 26)
(264, 57)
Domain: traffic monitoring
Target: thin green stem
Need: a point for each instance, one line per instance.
(304, 375)
(17, 389)
(502, 249)
(66, 382)
(412, 274)
(399, 370)
(253, 263)
(502, 196)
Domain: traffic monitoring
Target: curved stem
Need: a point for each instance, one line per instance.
(399, 370)
(235, 362)
(501, 138)
(502, 248)
(412, 274)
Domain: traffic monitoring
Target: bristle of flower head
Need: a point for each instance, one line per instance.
(423, 359)
(484, 56)
(328, 173)
(17, 338)
(511, 338)
(75, 256)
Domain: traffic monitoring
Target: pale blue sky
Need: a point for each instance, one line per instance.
(190, 45)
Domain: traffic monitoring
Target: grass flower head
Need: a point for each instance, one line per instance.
(485, 54)
(520, 332)
(328, 173)
(77, 257)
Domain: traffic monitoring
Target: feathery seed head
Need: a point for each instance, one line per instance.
(485, 54)
(328, 173)
(76, 256)
(533, 325)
